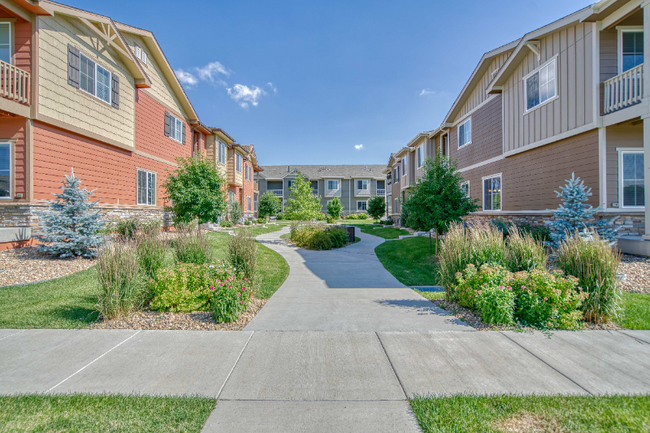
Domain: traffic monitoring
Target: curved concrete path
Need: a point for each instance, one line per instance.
(345, 290)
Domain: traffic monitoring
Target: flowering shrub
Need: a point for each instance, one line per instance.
(538, 298)
(230, 294)
(496, 304)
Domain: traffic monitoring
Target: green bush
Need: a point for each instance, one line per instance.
(352, 216)
(280, 216)
(230, 295)
(226, 224)
(247, 223)
(388, 222)
(152, 251)
(122, 285)
(185, 288)
(191, 245)
(524, 252)
(318, 236)
(594, 262)
(363, 216)
(242, 253)
(496, 305)
(472, 280)
(331, 219)
(126, 228)
(261, 221)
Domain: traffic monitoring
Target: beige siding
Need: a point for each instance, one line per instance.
(619, 136)
(419, 172)
(159, 85)
(60, 101)
(573, 47)
(479, 93)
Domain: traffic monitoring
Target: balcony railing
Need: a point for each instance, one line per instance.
(15, 83)
(624, 90)
(381, 192)
(277, 192)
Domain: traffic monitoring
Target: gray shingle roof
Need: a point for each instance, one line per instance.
(321, 171)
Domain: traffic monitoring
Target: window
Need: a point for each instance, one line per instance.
(362, 205)
(5, 170)
(239, 162)
(248, 203)
(396, 205)
(492, 192)
(177, 129)
(631, 49)
(222, 152)
(332, 185)
(290, 183)
(420, 156)
(146, 187)
(632, 178)
(540, 86)
(231, 196)
(444, 146)
(404, 167)
(94, 79)
(248, 172)
(255, 202)
(138, 52)
(362, 185)
(396, 174)
(5, 42)
(464, 186)
(465, 133)
(144, 57)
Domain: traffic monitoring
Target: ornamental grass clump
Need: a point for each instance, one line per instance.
(524, 252)
(242, 253)
(152, 251)
(594, 263)
(487, 245)
(122, 284)
(455, 254)
(191, 245)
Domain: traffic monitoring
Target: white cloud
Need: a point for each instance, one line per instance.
(358, 146)
(186, 78)
(426, 92)
(210, 71)
(245, 95)
(275, 89)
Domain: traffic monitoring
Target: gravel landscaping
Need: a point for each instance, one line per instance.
(28, 265)
(637, 273)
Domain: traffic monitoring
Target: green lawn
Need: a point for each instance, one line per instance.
(409, 261)
(386, 232)
(260, 230)
(70, 302)
(533, 414)
(636, 311)
(432, 295)
(87, 414)
(357, 223)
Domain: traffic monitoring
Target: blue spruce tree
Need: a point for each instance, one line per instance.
(575, 215)
(72, 224)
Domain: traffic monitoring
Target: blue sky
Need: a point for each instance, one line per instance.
(308, 82)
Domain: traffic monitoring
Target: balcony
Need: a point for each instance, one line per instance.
(381, 191)
(623, 90)
(277, 192)
(15, 84)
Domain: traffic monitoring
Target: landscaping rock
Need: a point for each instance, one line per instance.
(637, 273)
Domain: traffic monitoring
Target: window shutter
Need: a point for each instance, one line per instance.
(183, 139)
(73, 66)
(168, 124)
(115, 91)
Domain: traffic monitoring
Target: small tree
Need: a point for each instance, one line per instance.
(377, 207)
(575, 215)
(235, 212)
(335, 207)
(196, 191)
(270, 205)
(71, 225)
(437, 199)
(302, 204)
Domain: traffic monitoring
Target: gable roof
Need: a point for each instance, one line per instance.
(314, 172)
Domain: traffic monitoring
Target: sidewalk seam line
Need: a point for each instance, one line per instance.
(11, 335)
(93, 361)
(390, 362)
(547, 364)
(223, 385)
(627, 335)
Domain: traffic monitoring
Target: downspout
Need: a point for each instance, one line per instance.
(350, 194)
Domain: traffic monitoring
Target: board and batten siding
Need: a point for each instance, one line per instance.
(626, 136)
(159, 89)
(573, 109)
(60, 101)
(479, 93)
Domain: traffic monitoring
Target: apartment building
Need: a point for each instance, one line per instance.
(81, 91)
(569, 97)
(354, 185)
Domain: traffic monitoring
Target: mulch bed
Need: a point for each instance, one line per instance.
(29, 265)
(198, 321)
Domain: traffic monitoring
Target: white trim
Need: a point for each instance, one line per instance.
(492, 176)
(602, 166)
(419, 152)
(137, 187)
(619, 43)
(555, 90)
(10, 144)
(481, 164)
(173, 136)
(11, 40)
(469, 120)
(362, 210)
(110, 80)
(621, 203)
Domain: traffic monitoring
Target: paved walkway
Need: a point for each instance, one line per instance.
(271, 380)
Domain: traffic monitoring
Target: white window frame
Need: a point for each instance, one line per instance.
(337, 184)
(619, 42)
(176, 129)
(9, 145)
(144, 57)
(364, 182)
(621, 152)
(464, 124)
(466, 182)
(493, 176)
(137, 192)
(249, 203)
(11, 40)
(360, 202)
(110, 80)
(555, 88)
(231, 196)
(247, 169)
(404, 166)
(239, 161)
(420, 155)
(222, 152)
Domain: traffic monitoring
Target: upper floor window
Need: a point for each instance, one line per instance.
(5, 42)
(404, 167)
(492, 192)
(631, 49)
(94, 79)
(289, 183)
(174, 128)
(332, 185)
(420, 152)
(632, 179)
(239, 162)
(465, 133)
(362, 185)
(222, 152)
(248, 172)
(541, 85)
(5, 170)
